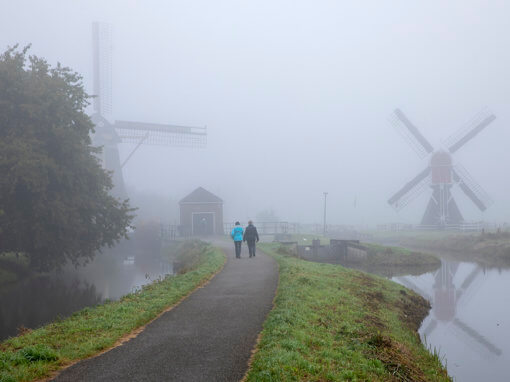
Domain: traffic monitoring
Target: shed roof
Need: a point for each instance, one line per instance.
(200, 195)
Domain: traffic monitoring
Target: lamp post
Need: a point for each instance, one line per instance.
(324, 227)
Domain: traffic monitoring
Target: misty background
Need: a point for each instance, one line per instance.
(295, 95)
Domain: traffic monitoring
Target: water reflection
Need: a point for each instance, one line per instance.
(468, 318)
(40, 299)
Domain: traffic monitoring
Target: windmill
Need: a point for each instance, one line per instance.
(445, 301)
(109, 134)
(441, 174)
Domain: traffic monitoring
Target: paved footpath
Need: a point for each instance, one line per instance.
(208, 337)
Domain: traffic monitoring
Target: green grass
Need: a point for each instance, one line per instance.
(38, 353)
(395, 256)
(330, 323)
(489, 248)
(377, 255)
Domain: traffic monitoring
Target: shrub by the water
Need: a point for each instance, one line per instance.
(188, 254)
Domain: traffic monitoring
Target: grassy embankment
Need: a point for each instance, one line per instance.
(379, 259)
(38, 353)
(379, 254)
(330, 323)
(492, 249)
(396, 256)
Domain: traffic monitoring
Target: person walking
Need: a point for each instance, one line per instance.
(237, 235)
(251, 236)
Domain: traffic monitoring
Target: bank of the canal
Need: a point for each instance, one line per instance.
(489, 249)
(383, 260)
(37, 353)
(469, 319)
(29, 299)
(334, 323)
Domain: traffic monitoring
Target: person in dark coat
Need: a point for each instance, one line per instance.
(251, 236)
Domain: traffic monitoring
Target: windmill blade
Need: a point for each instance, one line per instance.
(410, 133)
(161, 134)
(411, 285)
(134, 150)
(411, 190)
(470, 130)
(102, 60)
(468, 281)
(430, 328)
(472, 333)
(471, 188)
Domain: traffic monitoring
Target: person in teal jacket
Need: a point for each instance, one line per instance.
(237, 235)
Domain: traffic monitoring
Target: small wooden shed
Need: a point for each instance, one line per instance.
(201, 213)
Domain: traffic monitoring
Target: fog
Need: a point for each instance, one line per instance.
(295, 95)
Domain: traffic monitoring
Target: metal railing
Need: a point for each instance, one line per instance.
(268, 228)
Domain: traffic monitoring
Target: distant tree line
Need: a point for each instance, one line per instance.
(54, 194)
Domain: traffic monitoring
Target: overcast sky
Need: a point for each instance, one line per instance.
(296, 95)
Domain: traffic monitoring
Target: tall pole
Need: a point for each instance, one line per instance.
(324, 227)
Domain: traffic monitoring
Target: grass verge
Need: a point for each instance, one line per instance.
(377, 255)
(38, 353)
(487, 248)
(395, 256)
(373, 258)
(330, 323)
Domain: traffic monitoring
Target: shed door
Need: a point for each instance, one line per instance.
(203, 223)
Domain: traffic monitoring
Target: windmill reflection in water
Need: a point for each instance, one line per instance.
(445, 301)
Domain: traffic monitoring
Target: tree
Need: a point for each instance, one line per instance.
(54, 194)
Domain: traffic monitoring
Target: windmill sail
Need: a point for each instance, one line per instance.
(410, 133)
(471, 188)
(468, 281)
(102, 51)
(470, 130)
(411, 190)
(430, 328)
(161, 134)
(108, 135)
(411, 285)
(477, 337)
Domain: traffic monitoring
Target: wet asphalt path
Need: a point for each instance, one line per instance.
(208, 337)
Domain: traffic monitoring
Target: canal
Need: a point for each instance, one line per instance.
(469, 323)
(40, 299)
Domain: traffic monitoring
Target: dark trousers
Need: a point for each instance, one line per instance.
(238, 248)
(251, 247)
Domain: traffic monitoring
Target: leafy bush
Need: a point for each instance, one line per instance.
(286, 250)
(188, 255)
